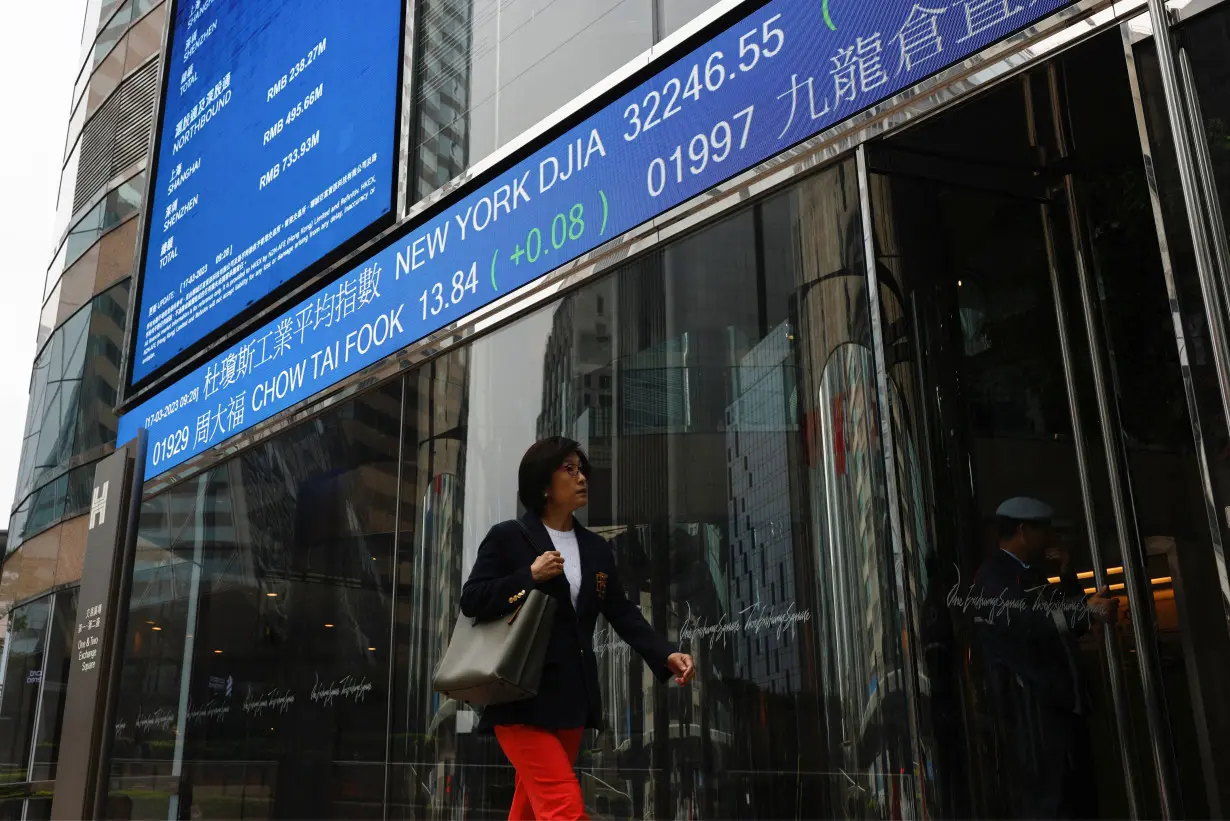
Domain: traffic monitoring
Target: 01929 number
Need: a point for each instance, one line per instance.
(171, 445)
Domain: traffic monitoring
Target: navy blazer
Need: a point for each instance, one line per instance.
(568, 696)
(1025, 639)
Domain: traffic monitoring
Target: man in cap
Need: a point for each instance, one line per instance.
(1028, 629)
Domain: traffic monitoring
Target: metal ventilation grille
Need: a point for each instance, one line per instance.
(94, 166)
(118, 133)
(132, 134)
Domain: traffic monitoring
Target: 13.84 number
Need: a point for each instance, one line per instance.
(433, 298)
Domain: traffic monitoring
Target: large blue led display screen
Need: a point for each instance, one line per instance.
(782, 74)
(276, 145)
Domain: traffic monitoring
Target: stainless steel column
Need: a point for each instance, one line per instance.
(1216, 223)
(394, 571)
(887, 442)
(1189, 178)
(1140, 594)
(1110, 646)
(42, 685)
(190, 628)
(1221, 249)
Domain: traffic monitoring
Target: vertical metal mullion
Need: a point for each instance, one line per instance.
(1140, 596)
(1212, 513)
(1189, 180)
(395, 583)
(42, 683)
(1110, 645)
(1189, 388)
(190, 628)
(1221, 246)
(1118, 696)
(4, 654)
(1216, 224)
(890, 464)
(408, 176)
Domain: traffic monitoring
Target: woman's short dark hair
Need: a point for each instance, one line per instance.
(538, 466)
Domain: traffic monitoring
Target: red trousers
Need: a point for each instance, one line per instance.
(547, 787)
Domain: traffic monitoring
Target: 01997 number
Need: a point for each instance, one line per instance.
(702, 150)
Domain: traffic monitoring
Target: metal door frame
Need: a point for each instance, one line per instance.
(1197, 189)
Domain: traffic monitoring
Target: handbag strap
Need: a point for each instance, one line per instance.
(538, 551)
(529, 537)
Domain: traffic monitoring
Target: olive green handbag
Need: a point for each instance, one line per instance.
(497, 661)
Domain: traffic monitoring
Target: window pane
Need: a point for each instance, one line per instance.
(96, 420)
(123, 202)
(17, 526)
(110, 34)
(55, 685)
(84, 234)
(80, 490)
(257, 652)
(53, 272)
(1206, 40)
(145, 38)
(46, 506)
(72, 399)
(47, 317)
(23, 674)
(675, 13)
(490, 69)
(107, 74)
(68, 191)
(698, 378)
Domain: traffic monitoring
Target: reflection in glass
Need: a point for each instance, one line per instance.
(991, 381)
(84, 234)
(693, 377)
(26, 643)
(1178, 535)
(60, 650)
(490, 69)
(675, 13)
(255, 681)
(71, 412)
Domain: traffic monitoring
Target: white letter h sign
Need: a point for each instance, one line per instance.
(98, 508)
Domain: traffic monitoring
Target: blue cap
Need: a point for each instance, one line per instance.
(1024, 509)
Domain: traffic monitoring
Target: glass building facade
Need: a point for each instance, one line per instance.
(804, 398)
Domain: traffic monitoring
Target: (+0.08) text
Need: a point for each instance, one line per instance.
(290, 159)
(713, 147)
(767, 42)
(564, 228)
(435, 300)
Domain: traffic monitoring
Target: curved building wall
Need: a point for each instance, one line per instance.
(74, 381)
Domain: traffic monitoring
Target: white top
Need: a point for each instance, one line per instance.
(565, 542)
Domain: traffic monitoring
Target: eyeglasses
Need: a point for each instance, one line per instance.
(572, 468)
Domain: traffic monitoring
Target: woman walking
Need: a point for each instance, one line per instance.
(549, 551)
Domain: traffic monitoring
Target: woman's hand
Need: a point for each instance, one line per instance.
(547, 566)
(681, 665)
